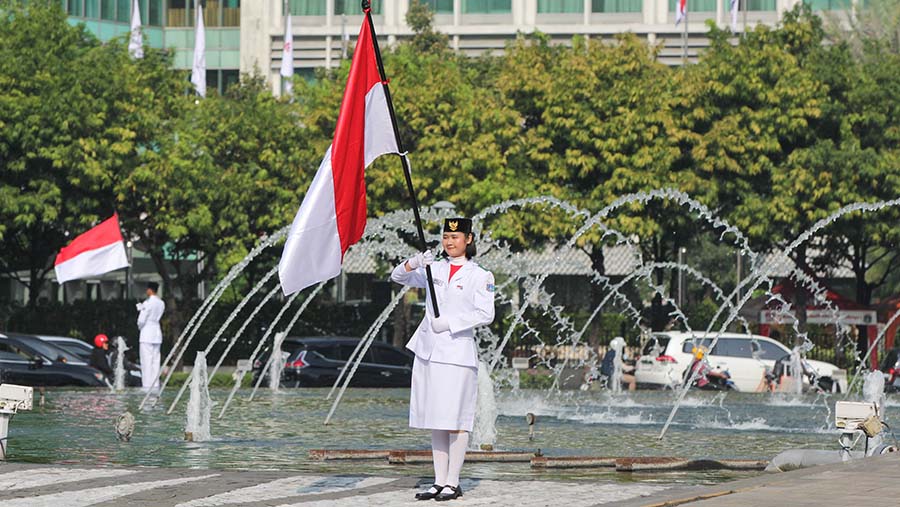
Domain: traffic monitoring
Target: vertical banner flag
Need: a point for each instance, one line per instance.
(198, 71)
(97, 251)
(136, 43)
(681, 11)
(735, 6)
(333, 213)
(287, 56)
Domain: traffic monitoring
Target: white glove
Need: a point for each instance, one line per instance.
(420, 260)
(440, 324)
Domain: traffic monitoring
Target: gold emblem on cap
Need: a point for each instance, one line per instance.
(453, 225)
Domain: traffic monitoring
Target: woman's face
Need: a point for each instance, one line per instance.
(455, 243)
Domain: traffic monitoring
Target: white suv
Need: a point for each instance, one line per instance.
(745, 357)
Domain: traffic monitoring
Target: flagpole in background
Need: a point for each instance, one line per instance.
(366, 7)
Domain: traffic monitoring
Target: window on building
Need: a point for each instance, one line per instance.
(560, 6)
(231, 12)
(354, 7)
(178, 13)
(155, 12)
(108, 9)
(308, 7)
(123, 10)
(74, 7)
(695, 6)
(229, 77)
(616, 5)
(486, 6)
(439, 6)
(92, 9)
(828, 5)
(759, 5)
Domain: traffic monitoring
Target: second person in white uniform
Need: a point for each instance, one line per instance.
(445, 370)
(151, 311)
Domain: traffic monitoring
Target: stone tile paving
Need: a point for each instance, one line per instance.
(74, 486)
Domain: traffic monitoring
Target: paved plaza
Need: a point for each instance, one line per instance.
(868, 482)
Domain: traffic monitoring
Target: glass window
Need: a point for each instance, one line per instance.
(688, 346)
(560, 6)
(108, 9)
(354, 7)
(769, 350)
(828, 5)
(178, 13)
(75, 8)
(734, 347)
(486, 6)
(439, 6)
(75, 350)
(92, 9)
(308, 7)
(231, 12)
(387, 355)
(154, 14)
(696, 6)
(10, 353)
(616, 5)
(656, 345)
(123, 10)
(759, 5)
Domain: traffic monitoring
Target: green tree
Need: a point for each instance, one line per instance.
(72, 115)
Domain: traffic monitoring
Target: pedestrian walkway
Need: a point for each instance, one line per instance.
(871, 481)
(74, 486)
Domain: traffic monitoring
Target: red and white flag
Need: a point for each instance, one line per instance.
(681, 11)
(333, 213)
(97, 251)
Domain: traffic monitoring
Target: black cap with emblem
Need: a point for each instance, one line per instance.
(463, 225)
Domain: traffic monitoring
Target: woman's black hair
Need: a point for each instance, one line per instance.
(470, 248)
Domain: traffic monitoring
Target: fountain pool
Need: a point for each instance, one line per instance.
(277, 430)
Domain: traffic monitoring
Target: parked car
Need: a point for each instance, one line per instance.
(890, 366)
(666, 356)
(23, 364)
(83, 350)
(317, 362)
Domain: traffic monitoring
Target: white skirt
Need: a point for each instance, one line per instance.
(443, 396)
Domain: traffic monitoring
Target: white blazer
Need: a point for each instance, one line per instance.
(467, 301)
(148, 320)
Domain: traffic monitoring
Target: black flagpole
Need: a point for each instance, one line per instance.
(366, 7)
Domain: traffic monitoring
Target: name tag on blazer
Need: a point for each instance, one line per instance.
(438, 282)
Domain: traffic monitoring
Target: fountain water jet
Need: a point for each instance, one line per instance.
(197, 427)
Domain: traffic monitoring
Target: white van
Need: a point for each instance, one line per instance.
(666, 356)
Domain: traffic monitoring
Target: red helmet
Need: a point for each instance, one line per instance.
(100, 340)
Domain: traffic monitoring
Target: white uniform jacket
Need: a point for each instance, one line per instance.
(467, 301)
(148, 320)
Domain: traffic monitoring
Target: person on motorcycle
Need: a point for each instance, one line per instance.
(704, 376)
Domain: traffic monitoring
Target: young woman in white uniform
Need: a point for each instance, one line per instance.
(445, 370)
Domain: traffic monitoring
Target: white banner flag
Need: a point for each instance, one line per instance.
(198, 71)
(287, 56)
(136, 44)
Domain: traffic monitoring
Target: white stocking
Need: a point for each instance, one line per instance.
(458, 444)
(440, 449)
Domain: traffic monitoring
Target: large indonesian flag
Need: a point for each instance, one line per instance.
(333, 214)
(97, 251)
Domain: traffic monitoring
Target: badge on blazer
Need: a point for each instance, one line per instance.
(490, 287)
(438, 282)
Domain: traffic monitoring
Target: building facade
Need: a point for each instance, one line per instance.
(248, 37)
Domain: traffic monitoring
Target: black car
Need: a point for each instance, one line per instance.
(317, 362)
(24, 364)
(81, 350)
(890, 366)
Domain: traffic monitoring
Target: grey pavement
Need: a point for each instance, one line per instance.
(865, 482)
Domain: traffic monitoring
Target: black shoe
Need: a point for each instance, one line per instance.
(449, 493)
(428, 495)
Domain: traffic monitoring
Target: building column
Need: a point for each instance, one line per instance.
(587, 12)
(648, 11)
(662, 11)
(530, 13)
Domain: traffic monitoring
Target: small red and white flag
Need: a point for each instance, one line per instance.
(333, 213)
(681, 11)
(97, 251)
